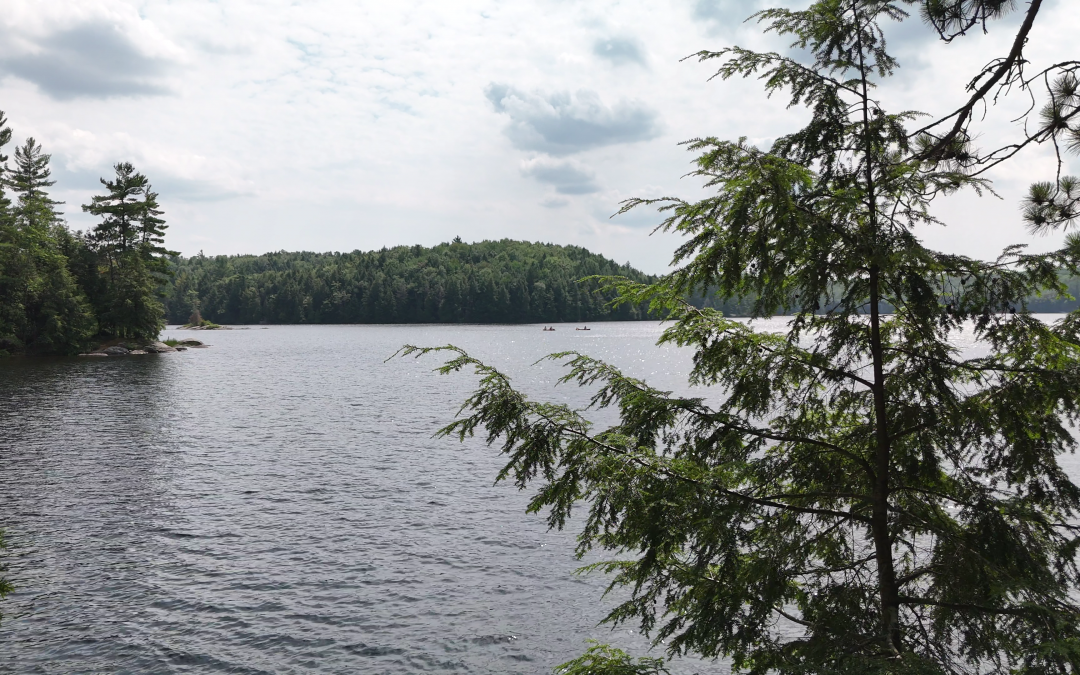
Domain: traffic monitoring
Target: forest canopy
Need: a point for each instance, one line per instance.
(502, 281)
(485, 282)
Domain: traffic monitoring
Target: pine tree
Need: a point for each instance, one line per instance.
(31, 174)
(130, 240)
(44, 308)
(5, 138)
(857, 495)
(122, 211)
(152, 235)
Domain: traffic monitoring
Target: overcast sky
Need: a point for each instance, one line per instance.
(344, 124)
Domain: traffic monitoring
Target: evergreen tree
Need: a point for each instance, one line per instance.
(11, 311)
(860, 496)
(43, 308)
(130, 240)
(31, 174)
(151, 233)
(121, 211)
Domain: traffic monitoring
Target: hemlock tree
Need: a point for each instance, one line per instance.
(130, 240)
(857, 494)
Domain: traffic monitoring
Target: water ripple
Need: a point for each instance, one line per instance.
(277, 504)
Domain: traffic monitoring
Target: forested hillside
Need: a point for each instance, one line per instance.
(487, 282)
(491, 281)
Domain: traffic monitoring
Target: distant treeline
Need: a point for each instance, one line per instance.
(486, 282)
(1051, 305)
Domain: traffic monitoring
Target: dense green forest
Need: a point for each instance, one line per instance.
(63, 291)
(486, 282)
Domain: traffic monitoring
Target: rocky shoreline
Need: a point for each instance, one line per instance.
(136, 349)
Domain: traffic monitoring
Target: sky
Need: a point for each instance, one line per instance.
(335, 125)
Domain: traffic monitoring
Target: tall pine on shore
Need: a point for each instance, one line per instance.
(856, 494)
(62, 292)
(129, 243)
(11, 312)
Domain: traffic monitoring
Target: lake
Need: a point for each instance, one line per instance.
(277, 504)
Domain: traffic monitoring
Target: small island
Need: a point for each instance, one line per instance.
(120, 348)
(197, 322)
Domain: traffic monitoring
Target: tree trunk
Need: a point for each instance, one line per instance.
(887, 587)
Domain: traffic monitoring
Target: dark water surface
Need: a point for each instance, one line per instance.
(276, 504)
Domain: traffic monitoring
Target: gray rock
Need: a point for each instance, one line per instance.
(158, 348)
(134, 352)
(181, 349)
(116, 350)
(189, 343)
(94, 354)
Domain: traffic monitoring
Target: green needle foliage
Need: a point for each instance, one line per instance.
(61, 292)
(129, 241)
(606, 659)
(42, 309)
(855, 494)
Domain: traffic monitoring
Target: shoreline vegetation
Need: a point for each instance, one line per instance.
(505, 281)
(61, 292)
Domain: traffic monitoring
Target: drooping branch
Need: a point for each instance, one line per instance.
(496, 379)
(693, 407)
(710, 485)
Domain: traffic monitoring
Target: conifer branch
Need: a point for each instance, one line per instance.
(997, 73)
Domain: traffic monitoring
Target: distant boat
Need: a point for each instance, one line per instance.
(585, 328)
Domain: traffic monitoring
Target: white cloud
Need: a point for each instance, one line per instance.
(621, 51)
(173, 170)
(564, 123)
(724, 15)
(85, 49)
(327, 124)
(554, 202)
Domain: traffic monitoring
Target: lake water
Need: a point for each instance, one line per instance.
(276, 504)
